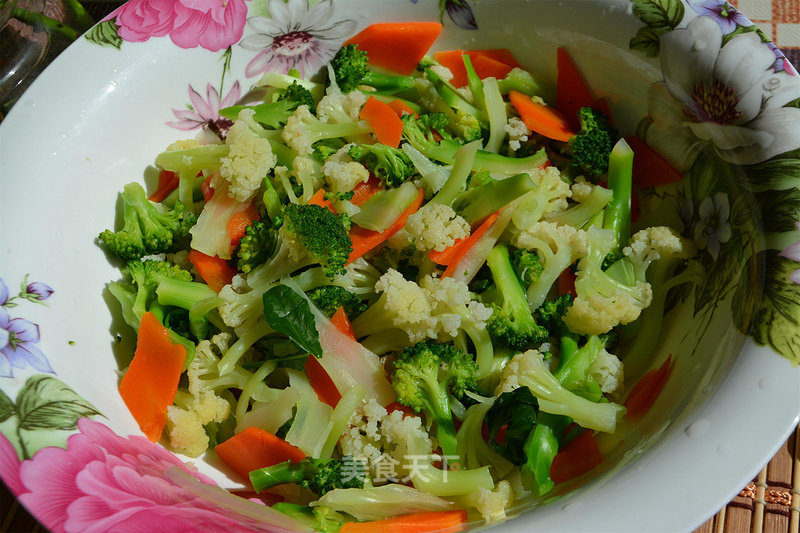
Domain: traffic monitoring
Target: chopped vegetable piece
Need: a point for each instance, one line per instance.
(428, 522)
(151, 381)
(255, 448)
(572, 93)
(576, 458)
(541, 118)
(216, 272)
(645, 393)
(649, 168)
(486, 67)
(238, 223)
(383, 120)
(397, 46)
(167, 182)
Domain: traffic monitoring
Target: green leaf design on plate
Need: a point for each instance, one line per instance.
(659, 13)
(718, 277)
(780, 172)
(45, 402)
(105, 34)
(7, 409)
(780, 210)
(646, 41)
(776, 321)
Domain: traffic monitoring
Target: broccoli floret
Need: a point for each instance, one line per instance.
(350, 68)
(297, 95)
(519, 80)
(425, 376)
(317, 475)
(256, 246)
(527, 265)
(551, 315)
(274, 114)
(322, 233)
(390, 165)
(512, 322)
(179, 291)
(329, 298)
(592, 145)
(147, 229)
(318, 518)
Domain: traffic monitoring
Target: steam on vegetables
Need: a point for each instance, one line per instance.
(413, 297)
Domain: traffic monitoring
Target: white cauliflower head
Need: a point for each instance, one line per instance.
(249, 160)
(342, 173)
(517, 133)
(436, 227)
(607, 370)
(338, 107)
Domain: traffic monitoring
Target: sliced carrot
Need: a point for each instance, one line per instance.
(452, 60)
(572, 93)
(364, 190)
(541, 118)
(566, 283)
(216, 272)
(503, 55)
(238, 223)
(452, 255)
(365, 240)
(255, 448)
(383, 120)
(149, 386)
(321, 382)
(487, 67)
(318, 198)
(397, 406)
(397, 46)
(576, 458)
(644, 394)
(207, 189)
(167, 182)
(649, 168)
(400, 107)
(426, 522)
(342, 323)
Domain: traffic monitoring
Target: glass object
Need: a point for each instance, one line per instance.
(23, 45)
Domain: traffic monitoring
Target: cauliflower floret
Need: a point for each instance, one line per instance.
(342, 173)
(383, 440)
(517, 133)
(557, 189)
(491, 504)
(249, 160)
(307, 174)
(450, 298)
(183, 144)
(436, 227)
(607, 371)
(295, 133)
(409, 305)
(581, 189)
(337, 107)
(443, 72)
(596, 314)
(654, 243)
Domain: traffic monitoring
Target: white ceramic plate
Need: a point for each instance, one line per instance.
(97, 116)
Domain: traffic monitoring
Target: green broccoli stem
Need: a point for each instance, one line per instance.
(496, 113)
(186, 294)
(245, 341)
(188, 163)
(323, 130)
(519, 80)
(540, 448)
(385, 207)
(451, 96)
(476, 204)
(584, 213)
(457, 181)
(620, 181)
(286, 472)
(512, 293)
(474, 82)
(284, 81)
(387, 83)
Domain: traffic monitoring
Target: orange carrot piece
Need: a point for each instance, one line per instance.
(383, 120)
(365, 240)
(215, 271)
(207, 189)
(149, 386)
(238, 223)
(502, 55)
(167, 182)
(452, 255)
(649, 168)
(397, 46)
(572, 93)
(487, 67)
(541, 118)
(566, 283)
(576, 458)
(364, 190)
(255, 448)
(452, 60)
(318, 198)
(400, 107)
(644, 394)
(321, 382)
(342, 323)
(426, 522)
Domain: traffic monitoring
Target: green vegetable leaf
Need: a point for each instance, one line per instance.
(518, 410)
(7, 409)
(289, 313)
(776, 321)
(45, 402)
(105, 33)
(659, 13)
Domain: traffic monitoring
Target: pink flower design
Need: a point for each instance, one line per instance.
(296, 36)
(212, 24)
(204, 110)
(104, 482)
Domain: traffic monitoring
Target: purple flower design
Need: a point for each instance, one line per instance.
(18, 336)
(39, 291)
(204, 111)
(460, 12)
(295, 36)
(727, 16)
